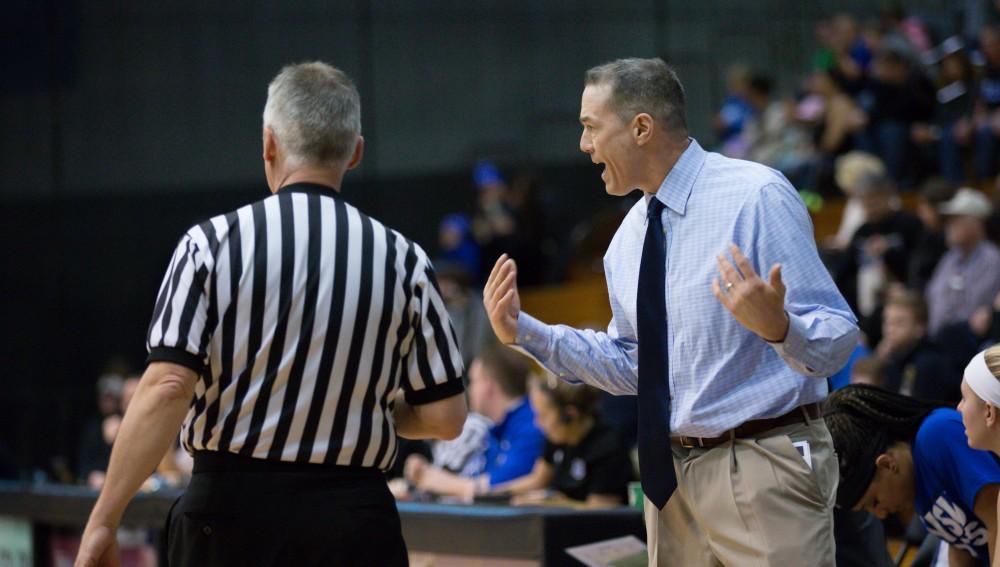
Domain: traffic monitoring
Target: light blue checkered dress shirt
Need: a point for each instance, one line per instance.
(721, 374)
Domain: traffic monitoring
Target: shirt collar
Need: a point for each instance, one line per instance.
(676, 186)
(311, 189)
(512, 415)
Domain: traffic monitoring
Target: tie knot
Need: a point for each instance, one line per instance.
(654, 207)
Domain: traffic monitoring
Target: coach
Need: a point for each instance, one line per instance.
(293, 339)
(736, 463)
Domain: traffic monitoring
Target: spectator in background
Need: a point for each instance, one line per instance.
(880, 248)
(836, 120)
(849, 169)
(853, 56)
(968, 275)
(534, 246)
(909, 28)
(898, 96)
(497, 390)
(771, 137)
(843, 376)
(493, 225)
(462, 456)
(931, 245)
(735, 112)
(987, 110)
(993, 222)
(949, 130)
(868, 370)
(585, 462)
(458, 245)
(914, 366)
(465, 307)
(99, 432)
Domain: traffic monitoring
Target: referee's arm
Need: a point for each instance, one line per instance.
(148, 429)
(431, 402)
(442, 419)
(161, 401)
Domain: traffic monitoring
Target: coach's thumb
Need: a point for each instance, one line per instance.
(776, 281)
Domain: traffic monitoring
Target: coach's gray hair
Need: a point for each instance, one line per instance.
(315, 113)
(642, 85)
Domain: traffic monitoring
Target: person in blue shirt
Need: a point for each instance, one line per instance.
(725, 325)
(585, 464)
(498, 379)
(980, 403)
(902, 456)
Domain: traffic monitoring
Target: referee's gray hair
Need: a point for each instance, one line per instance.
(315, 113)
(642, 85)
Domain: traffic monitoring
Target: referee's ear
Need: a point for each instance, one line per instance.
(359, 152)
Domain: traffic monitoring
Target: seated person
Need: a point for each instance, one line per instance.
(880, 249)
(868, 370)
(497, 390)
(462, 456)
(585, 463)
(980, 405)
(914, 365)
(903, 456)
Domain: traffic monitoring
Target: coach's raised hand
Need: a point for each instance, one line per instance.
(501, 299)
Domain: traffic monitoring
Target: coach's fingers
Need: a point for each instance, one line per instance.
(504, 305)
(509, 281)
(728, 272)
(491, 280)
(720, 295)
(496, 267)
(506, 278)
(776, 282)
(746, 268)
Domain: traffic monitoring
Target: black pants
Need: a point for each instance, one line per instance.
(245, 512)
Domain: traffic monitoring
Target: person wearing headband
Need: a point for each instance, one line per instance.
(980, 405)
(902, 456)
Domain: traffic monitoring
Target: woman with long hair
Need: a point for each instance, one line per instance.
(903, 456)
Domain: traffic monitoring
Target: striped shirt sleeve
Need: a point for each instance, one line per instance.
(434, 368)
(177, 332)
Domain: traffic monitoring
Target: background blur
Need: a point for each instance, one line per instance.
(125, 123)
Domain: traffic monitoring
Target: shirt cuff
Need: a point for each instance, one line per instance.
(435, 393)
(176, 356)
(795, 345)
(533, 337)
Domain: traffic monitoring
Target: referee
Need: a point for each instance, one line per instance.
(292, 341)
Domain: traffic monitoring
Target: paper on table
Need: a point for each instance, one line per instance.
(625, 551)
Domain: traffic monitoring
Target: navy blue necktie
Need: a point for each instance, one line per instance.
(656, 463)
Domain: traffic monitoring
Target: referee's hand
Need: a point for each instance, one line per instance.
(501, 299)
(98, 548)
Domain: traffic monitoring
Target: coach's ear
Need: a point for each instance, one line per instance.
(643, 126)
(359, 152)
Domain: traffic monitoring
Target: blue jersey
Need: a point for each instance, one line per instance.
(514, 445)
(949, 476)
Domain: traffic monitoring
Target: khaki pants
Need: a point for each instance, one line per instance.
(750, 502)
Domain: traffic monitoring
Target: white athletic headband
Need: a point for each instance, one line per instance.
(982, 381)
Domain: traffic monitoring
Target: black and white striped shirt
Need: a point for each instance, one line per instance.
(303, 317)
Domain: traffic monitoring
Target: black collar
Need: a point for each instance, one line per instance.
(311, 189)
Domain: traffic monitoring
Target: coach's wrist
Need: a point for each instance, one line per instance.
(778, 332)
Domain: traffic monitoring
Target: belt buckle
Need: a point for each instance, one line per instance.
(692, 442)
